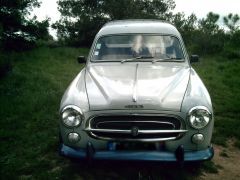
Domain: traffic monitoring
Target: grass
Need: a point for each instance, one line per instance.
(29, 101)
(30, 97)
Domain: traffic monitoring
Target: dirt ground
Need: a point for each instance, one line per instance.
(227, 159)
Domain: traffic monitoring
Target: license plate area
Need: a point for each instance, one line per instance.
(135, 146)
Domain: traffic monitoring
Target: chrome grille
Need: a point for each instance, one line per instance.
(135, 128)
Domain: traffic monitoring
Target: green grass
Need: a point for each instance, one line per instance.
(30, 96)
(29, 102)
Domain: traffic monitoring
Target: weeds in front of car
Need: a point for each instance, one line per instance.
(210, 167)
(223, 153)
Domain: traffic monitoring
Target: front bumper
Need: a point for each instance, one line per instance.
(178, 155)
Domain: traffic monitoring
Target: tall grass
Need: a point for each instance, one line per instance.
(30, 97)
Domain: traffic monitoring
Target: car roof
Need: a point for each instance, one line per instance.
(138, 26)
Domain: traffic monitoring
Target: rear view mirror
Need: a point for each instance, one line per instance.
(81, 59)
(194, 58)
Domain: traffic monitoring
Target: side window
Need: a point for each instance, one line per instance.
(97, 50)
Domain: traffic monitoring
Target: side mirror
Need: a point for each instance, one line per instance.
(81, 59)
(194, 58)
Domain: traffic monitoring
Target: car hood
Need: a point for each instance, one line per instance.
(158, 86)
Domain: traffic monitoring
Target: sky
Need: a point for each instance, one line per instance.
(202, 7)
(199, 7)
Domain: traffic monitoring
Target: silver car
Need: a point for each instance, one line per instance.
(138, 98)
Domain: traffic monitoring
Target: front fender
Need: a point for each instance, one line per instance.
(197, 95)
(76, 93)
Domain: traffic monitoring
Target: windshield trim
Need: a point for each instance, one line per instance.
(142, 60)
(107, 61)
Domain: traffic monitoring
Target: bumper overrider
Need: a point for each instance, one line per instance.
(178, 156)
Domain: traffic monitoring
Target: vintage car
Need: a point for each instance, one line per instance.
(138, 98)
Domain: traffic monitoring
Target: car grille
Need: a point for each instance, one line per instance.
(135, 128)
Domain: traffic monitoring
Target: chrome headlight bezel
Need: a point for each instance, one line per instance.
(76, 116)
(203, 113)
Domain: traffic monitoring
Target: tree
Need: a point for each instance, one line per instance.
(210, 37)
(17, 31)
(232, 46)
(178, 20)
(231, 21)
(209, 25)
(81, 19)
(186, 25)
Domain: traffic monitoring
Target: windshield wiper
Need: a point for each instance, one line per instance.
(136, 58)
(151, 57)
(166, 59)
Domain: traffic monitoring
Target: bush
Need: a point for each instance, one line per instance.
(5, 66)
(231, 53)
(17, 44)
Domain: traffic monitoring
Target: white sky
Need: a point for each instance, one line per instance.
(48, 8)
(202, 7)
(199, 7)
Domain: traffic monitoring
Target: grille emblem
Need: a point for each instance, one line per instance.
(134, 131)
(134, 106)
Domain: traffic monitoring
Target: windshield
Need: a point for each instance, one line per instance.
(140, 46)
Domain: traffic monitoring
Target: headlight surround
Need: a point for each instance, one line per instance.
(72, 116)
(199, 117)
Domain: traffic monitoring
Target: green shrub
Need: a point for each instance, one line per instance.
(5, 66)
(231, 52)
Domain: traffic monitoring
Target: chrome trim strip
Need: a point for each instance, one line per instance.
(134, 98)
(199, 108)
(157, 122)
(135, 115)
(139, 131)
(135, 140)
(71, 107)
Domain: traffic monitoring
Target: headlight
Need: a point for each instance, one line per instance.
(199, 117)
(72, 116)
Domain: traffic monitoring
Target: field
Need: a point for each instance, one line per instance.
(29, 102)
